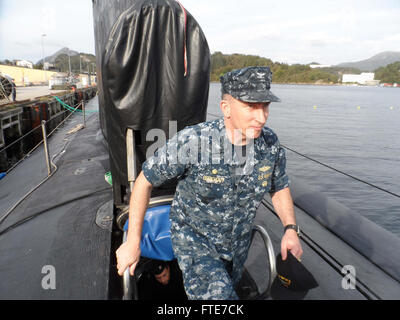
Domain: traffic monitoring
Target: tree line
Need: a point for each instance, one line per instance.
(282, 72)
(296, 73)
(389, 74)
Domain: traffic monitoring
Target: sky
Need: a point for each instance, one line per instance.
(289, 31)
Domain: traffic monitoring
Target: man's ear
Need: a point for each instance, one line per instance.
(226, 108)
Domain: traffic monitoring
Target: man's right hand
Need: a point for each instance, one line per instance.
(127, 257)
(128, 254)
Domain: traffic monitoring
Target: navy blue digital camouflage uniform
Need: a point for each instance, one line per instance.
(213, 209)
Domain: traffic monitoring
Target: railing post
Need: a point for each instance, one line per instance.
(130, 157)
(84, 114)
(46, 148)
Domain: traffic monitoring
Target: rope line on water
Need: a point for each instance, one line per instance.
(344, 173)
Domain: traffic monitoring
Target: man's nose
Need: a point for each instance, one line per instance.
(260, 115)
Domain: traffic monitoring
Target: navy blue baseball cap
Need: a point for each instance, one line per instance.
(293, 280)
(251, 84)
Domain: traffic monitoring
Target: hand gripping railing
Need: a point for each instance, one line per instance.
(130, 290)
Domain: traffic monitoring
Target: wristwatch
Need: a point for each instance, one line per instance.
(294, 227)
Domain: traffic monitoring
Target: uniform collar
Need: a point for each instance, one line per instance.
(259, 144)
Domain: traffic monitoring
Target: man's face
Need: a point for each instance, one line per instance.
(248, 118)
(164, 276)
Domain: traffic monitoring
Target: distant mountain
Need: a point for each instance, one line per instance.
(53, 57)
(65, 60)
(379, 60)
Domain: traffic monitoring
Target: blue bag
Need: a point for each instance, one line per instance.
(156, 234)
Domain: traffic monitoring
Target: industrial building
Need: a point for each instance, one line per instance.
(365, 78)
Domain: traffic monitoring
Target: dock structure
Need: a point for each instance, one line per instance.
(19, 118)
(10, 119)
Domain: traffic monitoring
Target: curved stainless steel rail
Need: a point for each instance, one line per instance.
(271, 257)
(130, 291)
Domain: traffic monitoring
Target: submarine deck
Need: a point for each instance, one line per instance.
(64, 230)
(50, 244)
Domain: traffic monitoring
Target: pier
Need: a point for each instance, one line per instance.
(21, 118)
(10, 119)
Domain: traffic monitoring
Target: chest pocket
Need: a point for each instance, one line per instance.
(262, 178)
(213, 184)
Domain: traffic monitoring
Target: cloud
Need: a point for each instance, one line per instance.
(65, 23)
(326, 31)
(48, 19)
(324, 40)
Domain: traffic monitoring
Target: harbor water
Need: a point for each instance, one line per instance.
(352, 129)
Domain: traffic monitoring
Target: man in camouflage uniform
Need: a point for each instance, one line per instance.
(219, 190)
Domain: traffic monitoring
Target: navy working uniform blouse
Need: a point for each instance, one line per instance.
(215, 201)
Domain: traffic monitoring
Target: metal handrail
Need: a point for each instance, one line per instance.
(130, 292)
(126, 281)
(271, 258)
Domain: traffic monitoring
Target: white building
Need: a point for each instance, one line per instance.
(58, 79)
(362, 78)
(48, 65)
(24, 63)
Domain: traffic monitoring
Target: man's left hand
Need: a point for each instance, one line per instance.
(291, 242)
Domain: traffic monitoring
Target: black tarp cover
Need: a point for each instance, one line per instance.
(155, 68)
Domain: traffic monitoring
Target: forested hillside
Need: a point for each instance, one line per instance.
(282, 73)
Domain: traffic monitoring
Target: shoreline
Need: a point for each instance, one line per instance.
(325, 84)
